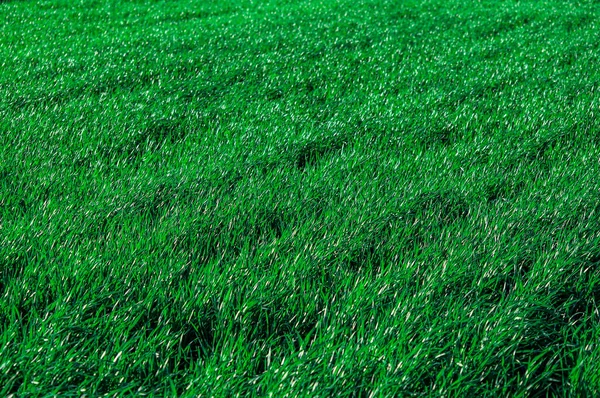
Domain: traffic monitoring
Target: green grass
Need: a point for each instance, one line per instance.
(300, 198)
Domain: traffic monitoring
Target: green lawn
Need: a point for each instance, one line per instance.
(310, 198)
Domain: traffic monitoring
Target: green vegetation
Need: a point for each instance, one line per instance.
(300, 198)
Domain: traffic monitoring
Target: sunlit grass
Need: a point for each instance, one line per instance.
(299, 198)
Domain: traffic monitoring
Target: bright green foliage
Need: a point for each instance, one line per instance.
(300, 197)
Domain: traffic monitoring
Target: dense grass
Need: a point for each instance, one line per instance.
(300, 197)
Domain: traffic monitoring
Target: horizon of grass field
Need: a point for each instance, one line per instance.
(299, 198)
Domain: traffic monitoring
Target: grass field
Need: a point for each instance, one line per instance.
(299, 198)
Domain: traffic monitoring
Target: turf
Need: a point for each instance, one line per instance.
(299, 198)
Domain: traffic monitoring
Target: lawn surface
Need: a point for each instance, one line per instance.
(299, 198)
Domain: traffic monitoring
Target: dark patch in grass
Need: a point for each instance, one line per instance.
(476, 94)
(197, 339)
(578, 296)
(590, 258)
(314, 206)
(46, 99)
(538, 149)
(12, 266)
(201, 94)
(211, 93)
(507, 24)
(266, 164)
(267, 224)
(15, 206)
(6, 174)
(30, 307)
(309, 86)
(157, 133)
(443, 206)
(236, 77)
(109, 154)
(196, 14)
(201, 240)
(499, 287)
(373, 248)
(572, 23)
(168, 194)
(127, 82)
(404, 13)
(98, 224)
(545, 336)
(159, 200)
(575, 305)
(504, 283)
(274, 94)
(367, 258)
(524, 264)
(151, 206)
(274, 322)
(435, 137)
(502, 188)
(310, 153)
(315, 54)
(12, 191)
(420, 221)
(20, 102)
(15, 383)
(152, 136)
(222, 182)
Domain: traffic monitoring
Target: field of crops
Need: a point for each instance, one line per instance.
(314, 198)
